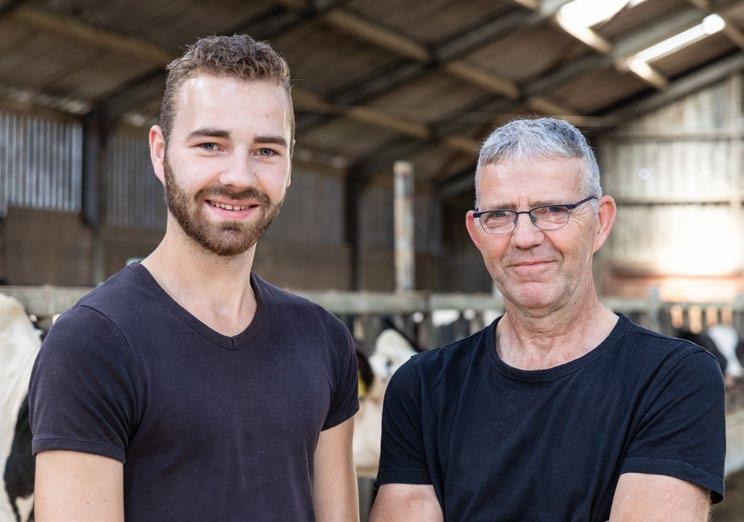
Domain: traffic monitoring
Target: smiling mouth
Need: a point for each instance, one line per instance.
(531, 263)
(226, 206)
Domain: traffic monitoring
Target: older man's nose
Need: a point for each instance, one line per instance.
(526, 234)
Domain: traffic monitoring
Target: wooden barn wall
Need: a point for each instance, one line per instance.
(40, 163)
(678, 178)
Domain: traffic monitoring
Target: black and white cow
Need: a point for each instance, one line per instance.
(392, 349)
(725, 344)
(726, 340)
(19, 344)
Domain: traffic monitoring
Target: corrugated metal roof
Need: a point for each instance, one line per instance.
(694, 55)
(324, 60)
(391, 79)
(429, 22)
(525, 53)
(598, 89)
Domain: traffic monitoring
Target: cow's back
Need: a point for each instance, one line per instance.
(19, 344)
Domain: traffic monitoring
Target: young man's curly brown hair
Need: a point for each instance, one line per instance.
(238, 56)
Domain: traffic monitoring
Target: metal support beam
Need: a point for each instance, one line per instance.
(637, 40)
(692, 82)
(457, 184)
(379, 83)
(95, 137)
(734, 34)
(585, 35)
(377, 35)
(405, 248)
(273, 22)
(385, 38)
(72, 28)
(353, 187)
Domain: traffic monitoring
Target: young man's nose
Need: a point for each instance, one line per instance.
(240, 172)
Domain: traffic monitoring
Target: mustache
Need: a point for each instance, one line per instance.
(248, 193)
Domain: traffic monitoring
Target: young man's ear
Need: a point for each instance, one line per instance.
(157, 152)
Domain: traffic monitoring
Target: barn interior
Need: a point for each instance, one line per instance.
(386, 88)
(655, 84)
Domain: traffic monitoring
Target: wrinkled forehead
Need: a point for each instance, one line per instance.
(514, 182)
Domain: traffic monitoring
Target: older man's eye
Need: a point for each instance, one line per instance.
(554, 209)
(499, 214)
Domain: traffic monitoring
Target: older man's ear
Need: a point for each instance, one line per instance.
(606, 212)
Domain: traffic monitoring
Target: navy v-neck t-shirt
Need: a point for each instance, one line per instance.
(209, 427)
(500, 443)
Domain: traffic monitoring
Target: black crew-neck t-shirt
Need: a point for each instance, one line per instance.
(500, 443)
(209, 427)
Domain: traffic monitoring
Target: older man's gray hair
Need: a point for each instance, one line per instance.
(542, 138)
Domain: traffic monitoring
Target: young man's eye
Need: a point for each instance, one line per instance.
(209, 146)
(266, 152)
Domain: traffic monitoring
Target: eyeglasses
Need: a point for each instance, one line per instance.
(545, 217)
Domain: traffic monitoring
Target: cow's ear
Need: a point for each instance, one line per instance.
(157, 152)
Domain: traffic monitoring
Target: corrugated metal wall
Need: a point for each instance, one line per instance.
(40, 163)
(313, 210)
(677, 176)
(41, 168)
(134, 196)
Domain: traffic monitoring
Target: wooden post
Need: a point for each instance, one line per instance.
(405, 269)
(654, 307)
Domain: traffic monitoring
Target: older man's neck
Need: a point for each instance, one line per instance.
(534, 340)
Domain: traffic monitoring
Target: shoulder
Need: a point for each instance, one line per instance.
(670, 367)
(98, 320)
(648, 347)
(119, 296)
(297, 310)
(83, 329)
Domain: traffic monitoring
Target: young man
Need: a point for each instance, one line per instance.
(560, 409)
(185, 387)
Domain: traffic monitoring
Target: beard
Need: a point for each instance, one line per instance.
(227, 238)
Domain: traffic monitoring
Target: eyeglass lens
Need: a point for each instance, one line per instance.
(504, 221)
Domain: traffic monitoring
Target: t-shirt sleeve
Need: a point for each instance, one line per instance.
(83, 393)
(682, 430)
(345, 401)
(402, 453)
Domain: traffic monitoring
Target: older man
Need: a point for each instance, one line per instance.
(560, 409)
(186, 387)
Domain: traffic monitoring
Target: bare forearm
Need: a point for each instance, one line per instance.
(406, 503)
(335, 496)
(78, 486)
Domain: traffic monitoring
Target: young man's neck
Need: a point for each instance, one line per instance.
(216, 289)
(535, 340)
